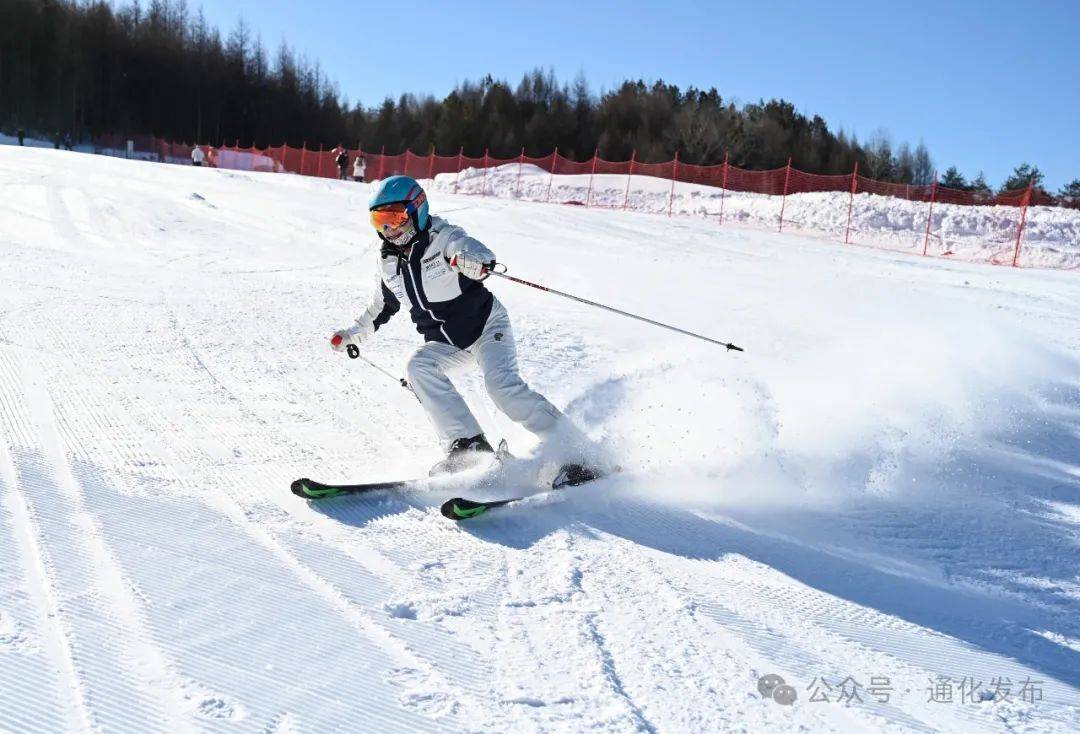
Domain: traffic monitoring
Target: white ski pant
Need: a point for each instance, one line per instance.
(494, 353)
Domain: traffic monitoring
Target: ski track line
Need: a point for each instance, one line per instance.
(783, 652)
(345, 606)
(108, 621)
(312, 578)
(821, 627)
(450, 583)
(230, 709)
(573, 650)
(43, 689)
(422, 615)
(789, 652)
(650, 630)
(861, 623)
(579, 577)
(399, 613)
(126, 679)
(62, 222)
(546, 665)
(379, 575)
(62, 442)
(803, 628)
(39, 688)
(83, 413)
(425, 619)
(253, 631)
(809, 619)
(815, 650)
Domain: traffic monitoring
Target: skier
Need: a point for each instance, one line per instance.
(437, 269)
(342, 161)
(197, 156)
(358, 168)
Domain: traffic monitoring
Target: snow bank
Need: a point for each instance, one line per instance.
(976, 233)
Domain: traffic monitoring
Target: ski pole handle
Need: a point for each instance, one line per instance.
(351, 349)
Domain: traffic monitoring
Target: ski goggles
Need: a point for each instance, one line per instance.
(392, 216)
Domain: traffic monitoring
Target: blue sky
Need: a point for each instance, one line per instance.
(987, 85)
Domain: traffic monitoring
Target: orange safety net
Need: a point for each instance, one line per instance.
(756, 182)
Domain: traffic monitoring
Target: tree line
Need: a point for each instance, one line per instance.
(93, 67)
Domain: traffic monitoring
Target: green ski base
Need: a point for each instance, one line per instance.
(460, 508)
(311, 490)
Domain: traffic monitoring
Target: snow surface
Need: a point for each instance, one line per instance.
(885, 485)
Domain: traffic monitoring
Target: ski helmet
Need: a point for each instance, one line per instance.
(404, 190)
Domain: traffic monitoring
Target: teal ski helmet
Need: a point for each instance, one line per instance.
(406, 190)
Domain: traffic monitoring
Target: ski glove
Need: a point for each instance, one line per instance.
(355, 334)
(471, 265)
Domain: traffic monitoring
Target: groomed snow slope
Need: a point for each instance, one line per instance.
(885, 485)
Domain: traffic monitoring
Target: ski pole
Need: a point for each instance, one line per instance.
(354, 353)
(502, 274)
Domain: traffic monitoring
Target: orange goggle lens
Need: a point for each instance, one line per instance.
(392, 217)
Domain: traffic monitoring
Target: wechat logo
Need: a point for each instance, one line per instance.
(773, 686)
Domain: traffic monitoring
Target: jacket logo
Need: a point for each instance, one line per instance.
(434, 266)
(498, 337)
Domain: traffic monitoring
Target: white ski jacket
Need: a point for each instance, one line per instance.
(444, 304)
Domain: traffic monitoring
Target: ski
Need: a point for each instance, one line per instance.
(311, 490)
(460, 508)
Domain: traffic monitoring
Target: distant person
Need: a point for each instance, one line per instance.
(197, 156)
(22, 135)
(56, 140)
(67, 141)
(342, 161)
(358, 168)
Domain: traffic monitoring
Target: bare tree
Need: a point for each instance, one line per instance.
(923, 171)
(880, 163)
(905, 164)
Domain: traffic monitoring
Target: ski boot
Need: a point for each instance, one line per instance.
(464, 453)
(571, 475)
